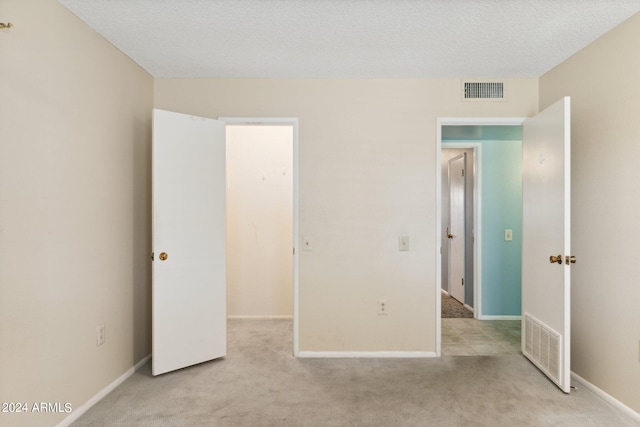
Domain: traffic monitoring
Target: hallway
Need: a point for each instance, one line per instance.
(473, 337)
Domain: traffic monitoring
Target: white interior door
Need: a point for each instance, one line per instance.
(189, 243)
(457, 235)
(546, 247)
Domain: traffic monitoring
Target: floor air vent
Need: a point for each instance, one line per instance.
(542, 346)
(484, 90)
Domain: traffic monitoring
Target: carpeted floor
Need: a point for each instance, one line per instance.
(453, 309)
(260, 383)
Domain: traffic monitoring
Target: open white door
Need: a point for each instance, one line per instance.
(457, 233)
(189, 241)
(546, 250)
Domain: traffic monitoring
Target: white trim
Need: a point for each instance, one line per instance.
(79, 411)
(477, 229)
(438, 171)
(480, 121)
(259, 317)
(296, 239)
(567, 243)
(493, 317)
(468, 307)
(366, 354)
(292, 121)
(606, 396)
(460, 121)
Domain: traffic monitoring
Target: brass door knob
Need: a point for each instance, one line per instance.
(552, 259)
(569, 260)
(163, 256)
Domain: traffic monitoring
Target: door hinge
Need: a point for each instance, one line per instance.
(462, 281)
(294, 251)
(152, 256)
(462, 172)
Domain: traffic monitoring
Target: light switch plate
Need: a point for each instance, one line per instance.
(508, 235)
(403, 243)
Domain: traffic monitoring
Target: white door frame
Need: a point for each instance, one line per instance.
(284, 121)
(477, 253)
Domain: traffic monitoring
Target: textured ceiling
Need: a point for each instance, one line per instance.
(351, 38)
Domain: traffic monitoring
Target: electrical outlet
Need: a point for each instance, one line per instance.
(100, 335)
(382, 307)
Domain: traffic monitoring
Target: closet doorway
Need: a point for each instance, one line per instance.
(259, 220)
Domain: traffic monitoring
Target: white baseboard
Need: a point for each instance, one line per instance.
(444, 292)
(77, 412)
(606, 396)
(366, 354)
(260, 317)
(468, 307)
(491, 317)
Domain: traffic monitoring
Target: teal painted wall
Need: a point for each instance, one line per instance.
(501, 194)
(501, 209)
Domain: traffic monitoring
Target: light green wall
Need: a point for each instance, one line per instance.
(501, 209)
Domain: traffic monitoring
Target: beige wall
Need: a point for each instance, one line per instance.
(602, 82)
(367, 175)
(259, 220)
(74, 209)
(74, 203)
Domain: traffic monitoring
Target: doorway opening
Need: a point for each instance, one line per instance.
(491, 283)
(261, 199)
(458, 207)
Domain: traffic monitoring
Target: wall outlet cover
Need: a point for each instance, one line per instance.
(100, 335)
(382, 307)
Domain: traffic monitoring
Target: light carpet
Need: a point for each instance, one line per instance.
(260, 383)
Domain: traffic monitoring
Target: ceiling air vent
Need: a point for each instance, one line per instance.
(484, 90)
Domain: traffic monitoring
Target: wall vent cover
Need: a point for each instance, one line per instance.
(484, 90)
(542, 346)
